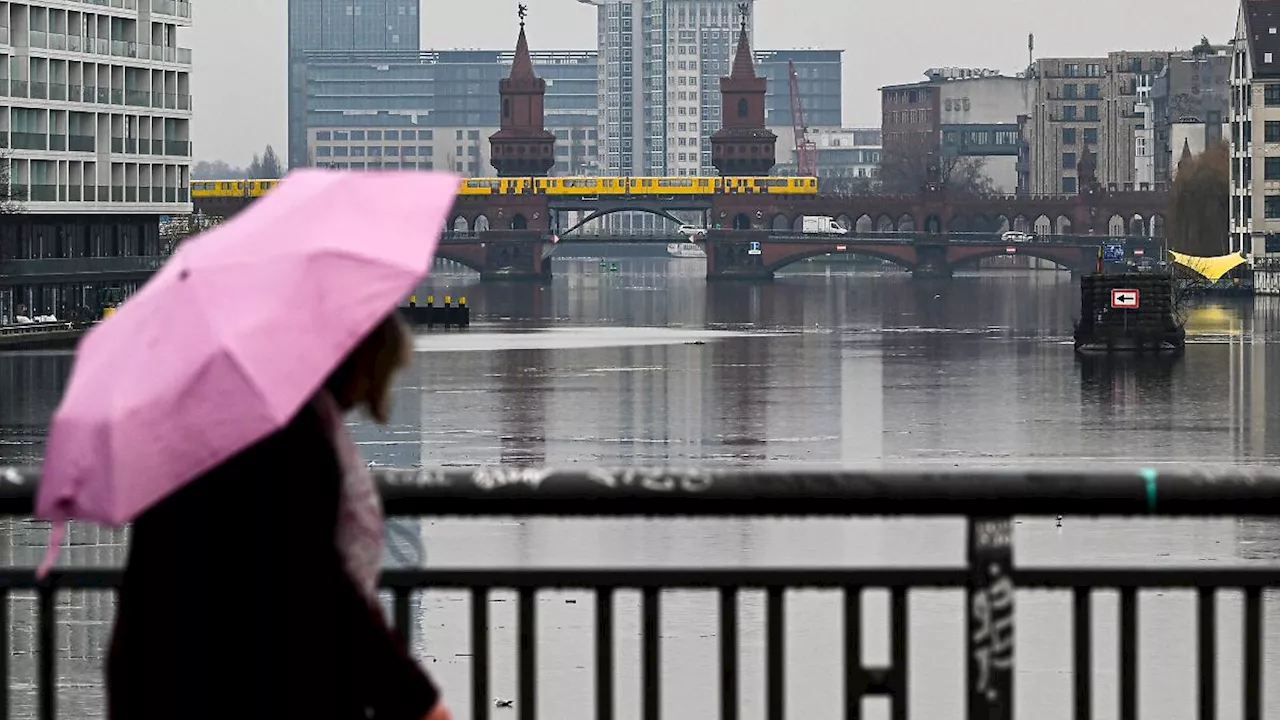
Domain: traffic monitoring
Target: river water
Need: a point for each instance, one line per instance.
(650, 365)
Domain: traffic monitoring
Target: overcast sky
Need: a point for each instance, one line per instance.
(239, 73)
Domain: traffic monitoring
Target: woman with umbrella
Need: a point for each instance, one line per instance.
(209, 413)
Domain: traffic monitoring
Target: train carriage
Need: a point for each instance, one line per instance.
(568, 186)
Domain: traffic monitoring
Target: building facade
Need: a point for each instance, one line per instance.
(436, 110)
(1189, 101)
(848, 158)
(959, 112)
(95, 116)
(341, 26)
(1255, 141)
(1087, 102)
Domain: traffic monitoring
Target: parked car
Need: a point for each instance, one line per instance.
(693, 232)
(1015, 236)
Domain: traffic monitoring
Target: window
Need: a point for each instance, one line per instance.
(1266, 58)
(1069, 161)
(1068, 112)
(323, 151)
(506, 107)
(1273, 207)
(1272, 169)
(357, 134)
(1091, 136)
(326, 135)
(1272, 130)
(1091, 113)
(1091, 92)
(375, 134)
(1068, 136)
(742, 108)
(1068, 185)
(1070, 91)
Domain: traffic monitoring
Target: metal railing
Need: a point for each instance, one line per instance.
(82, 265)
(988, 500)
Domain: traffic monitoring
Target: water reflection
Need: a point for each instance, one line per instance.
(823, 369)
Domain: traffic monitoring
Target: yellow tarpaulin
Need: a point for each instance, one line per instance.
(1211, 268)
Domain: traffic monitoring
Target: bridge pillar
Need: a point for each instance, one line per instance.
(932, 263)
(515, 255)
(729, 255)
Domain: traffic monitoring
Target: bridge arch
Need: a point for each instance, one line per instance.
(518, 222)
(1001, 224)
(1068, 258)
(1137, 226)
(598, 214)
(1115, 226)
(1021, 223)
(741, 221)
(797, 225)
(460, 224)
(865, 224)
(906, 223)
(445, 252)
(781, 223)
(1157, 225)
(903, 256)
(845, 221)
(933, 224)
(481, 223)
(1062, 225)
(1043, 226)
(884, 224)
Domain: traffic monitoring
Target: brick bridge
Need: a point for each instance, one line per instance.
(509, 236)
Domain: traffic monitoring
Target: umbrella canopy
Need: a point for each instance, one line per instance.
(235, 333)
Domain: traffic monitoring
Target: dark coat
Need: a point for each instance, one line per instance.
(235, 603)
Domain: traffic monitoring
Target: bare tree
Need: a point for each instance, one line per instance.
(1200, 204)
(11, 196)
(914, 162)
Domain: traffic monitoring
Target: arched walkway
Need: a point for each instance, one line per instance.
(612, 211)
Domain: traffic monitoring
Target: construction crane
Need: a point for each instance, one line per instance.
(806, 149)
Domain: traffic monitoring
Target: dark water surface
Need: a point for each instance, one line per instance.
(652, 366)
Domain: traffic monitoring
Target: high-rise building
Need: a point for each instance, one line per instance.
(341, 26)
(660, 64)
(97, 107)
(95, 143)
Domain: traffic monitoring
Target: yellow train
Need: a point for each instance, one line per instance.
(575, 186)
(230, 188)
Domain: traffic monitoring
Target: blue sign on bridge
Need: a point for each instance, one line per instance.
(1113, 252)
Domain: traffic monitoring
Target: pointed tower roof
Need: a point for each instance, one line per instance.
(522, 66)
(1187, 155)
(743, 65)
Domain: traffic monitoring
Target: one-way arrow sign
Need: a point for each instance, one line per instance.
(1124, 299)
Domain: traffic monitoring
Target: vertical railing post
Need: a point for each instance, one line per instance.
(990, 618)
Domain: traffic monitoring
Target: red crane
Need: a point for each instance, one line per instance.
(806, 149)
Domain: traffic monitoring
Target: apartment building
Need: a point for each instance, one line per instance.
(95, 105)
(95, 142)
(1087, 103)
(1255, 141)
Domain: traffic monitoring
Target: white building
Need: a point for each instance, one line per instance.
(660, 64)
(1255, 141)
(95, 105)
(1144, 141)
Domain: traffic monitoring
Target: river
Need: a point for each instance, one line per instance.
(650, 365)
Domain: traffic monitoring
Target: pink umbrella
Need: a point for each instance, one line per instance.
(227, 342)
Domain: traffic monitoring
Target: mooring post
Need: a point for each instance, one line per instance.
(990, 621)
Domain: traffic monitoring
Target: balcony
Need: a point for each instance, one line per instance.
(58, 142)
(39, 90)
(179, 148)
(137, 98)
(37, 39)
(174, 8)
(57, 91)
(732, 620)
(4, 35)
(141, 265)
(82, 143)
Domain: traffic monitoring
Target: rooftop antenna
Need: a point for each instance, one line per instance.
(1031, 50)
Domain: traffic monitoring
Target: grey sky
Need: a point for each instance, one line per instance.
(239, 74)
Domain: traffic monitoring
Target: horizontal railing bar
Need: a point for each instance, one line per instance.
(639, 492)
(710, 578)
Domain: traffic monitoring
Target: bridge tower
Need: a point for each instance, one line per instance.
(522, 146)
(743, 145)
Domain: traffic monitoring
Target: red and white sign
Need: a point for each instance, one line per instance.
(1124, 299)
(841, 248)
(1011, 250)
(1138, 252)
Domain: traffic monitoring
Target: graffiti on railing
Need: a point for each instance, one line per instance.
(656, 480)
(991, 621)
